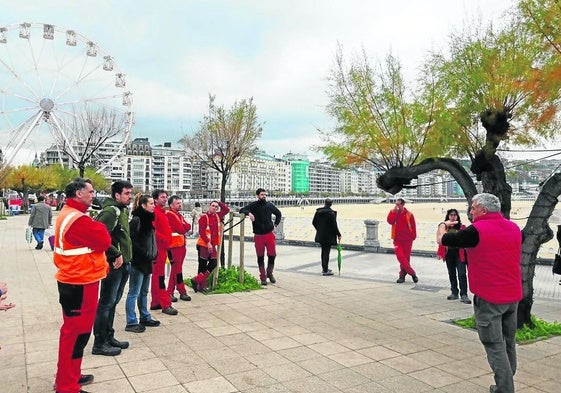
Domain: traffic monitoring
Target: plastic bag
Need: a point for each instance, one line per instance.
(29, 234)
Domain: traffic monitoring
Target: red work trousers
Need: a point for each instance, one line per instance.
(160, 296)
(176, 273)
(403, 254)
(79, 306)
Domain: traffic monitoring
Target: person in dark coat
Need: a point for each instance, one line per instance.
(40, 219)
(327, 235)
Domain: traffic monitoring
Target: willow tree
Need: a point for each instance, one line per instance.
(489, 90)
(224, 137)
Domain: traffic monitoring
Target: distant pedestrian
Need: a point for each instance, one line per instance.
(160, 296)
(494, 249)
(327, 233)
(79, 255)
(144, 251)
(210, 233)
(456, 261)
(403, 233)
(40, 219)
(260, 213)
(196, 213)
(177, 249)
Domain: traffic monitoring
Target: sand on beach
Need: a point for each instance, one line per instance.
(298, 222)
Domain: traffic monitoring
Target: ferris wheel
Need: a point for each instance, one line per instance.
(55, 86)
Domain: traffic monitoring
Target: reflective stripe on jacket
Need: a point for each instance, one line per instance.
(76, 265)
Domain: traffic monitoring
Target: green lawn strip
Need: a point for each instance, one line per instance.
(228, 281)
(541, 330)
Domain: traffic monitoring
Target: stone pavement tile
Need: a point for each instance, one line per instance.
(121, 385)
(405, 384)
(139, 367)
(246, 349)
(41, 356)
(267, 359)
(298, 354)
(13, 375)
(313, 384)
(34, 385)
(13, 355)
(430, 357)
(344, 378)
(292, 329)
(435, 377)
(280, 343)
(151, 381)
(549, 386)
(370, 387)
(231, 365)
(276, 388)
(404, 364)
(350, 358)
(248, 379)
(378, 352)
(226, 330)
(356, 343)
(265, 334)
(328, 348)
(469, 367)
(105, 373)
(250, 327)
(309, 338)
(286, 372)
(223, 352)
(376, 371)
(237, 339)
(170, 389)
(47, 369)
(465, 387)
(196, 372)
(319, 365)
(405, 346)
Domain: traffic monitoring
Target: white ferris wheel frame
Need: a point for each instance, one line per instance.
(54, 106)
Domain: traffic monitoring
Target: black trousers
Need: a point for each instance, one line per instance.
(325, 250)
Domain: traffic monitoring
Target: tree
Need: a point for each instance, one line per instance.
(489, 82)
(28, 179)
(92, 129)
(224, 138)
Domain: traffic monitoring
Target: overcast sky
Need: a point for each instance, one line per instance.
(177, 52)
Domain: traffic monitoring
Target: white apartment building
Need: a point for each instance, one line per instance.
(325, 179)
(171, 169)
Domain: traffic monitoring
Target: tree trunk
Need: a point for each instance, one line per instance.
(494, 182)
(535, 233)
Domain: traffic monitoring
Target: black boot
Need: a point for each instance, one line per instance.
(39, 246)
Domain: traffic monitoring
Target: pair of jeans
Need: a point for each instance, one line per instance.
(39, 234)
(496, 326)
(138, 294)
(112, 288)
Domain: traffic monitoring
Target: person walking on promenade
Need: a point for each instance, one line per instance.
(177, 249)
(114, 215)
(160, 297)
(260, 213)
(79, 255)
(196, 213)
(494, 246)
(40, 219)
(455, 259)
(209, 239)
(144, 251)
(327, 233)
(403, 233)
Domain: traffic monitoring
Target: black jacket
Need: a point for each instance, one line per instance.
(144, 249)
(262, 210)
(325, 222)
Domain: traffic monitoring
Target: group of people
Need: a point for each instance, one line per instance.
(96, 257)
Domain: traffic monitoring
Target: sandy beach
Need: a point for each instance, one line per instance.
(297, 223)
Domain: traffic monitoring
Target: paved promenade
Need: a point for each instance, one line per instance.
(359, 332)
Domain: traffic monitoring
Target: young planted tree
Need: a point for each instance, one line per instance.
(467, 106)
(224, 137)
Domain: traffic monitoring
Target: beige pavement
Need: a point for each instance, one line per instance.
(306, 334)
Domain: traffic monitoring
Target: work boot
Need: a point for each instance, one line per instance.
(465, 299)
(415, 278)
(400, 280)
(106, 349)
(172, 298)
(85, 379)
(39, 246)
(118, 344)
(452, 296)
(169, 311)
(185, 297)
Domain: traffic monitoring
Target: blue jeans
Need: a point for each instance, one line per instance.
(39, 234)
(111, 291)
(496, 325)
(139, 284)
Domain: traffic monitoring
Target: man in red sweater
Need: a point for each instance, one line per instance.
(160, 296)
(404, 232)
(177, 250)
(79, 255)
(494, 249)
